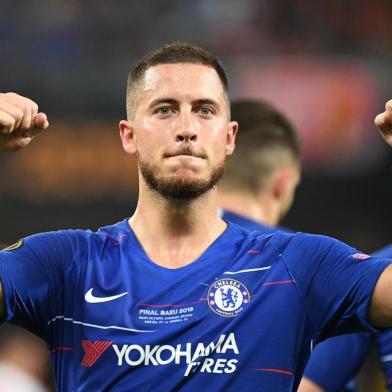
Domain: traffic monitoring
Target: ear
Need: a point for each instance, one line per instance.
(285, 181)
(128, 137)
(230, 138)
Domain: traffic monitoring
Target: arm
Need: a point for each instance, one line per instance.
(308, 385)
(20, 122)
(380, 312)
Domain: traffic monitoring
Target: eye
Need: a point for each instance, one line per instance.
(164, 110)
(205, 111)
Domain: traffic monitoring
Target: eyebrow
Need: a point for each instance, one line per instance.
(171, 101)
(206, 101)
(159, 101)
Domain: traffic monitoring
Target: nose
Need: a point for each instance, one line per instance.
(186, 128)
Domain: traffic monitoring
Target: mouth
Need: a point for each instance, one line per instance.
(185, 155)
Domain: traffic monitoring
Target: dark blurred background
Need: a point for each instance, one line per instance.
(325, 63)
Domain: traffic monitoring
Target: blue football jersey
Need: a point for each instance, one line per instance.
(242, 316)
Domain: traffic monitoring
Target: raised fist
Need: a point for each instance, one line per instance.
(20, 121)
(384, 122)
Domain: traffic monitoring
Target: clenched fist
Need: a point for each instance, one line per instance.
(384, 122)
(20, 121)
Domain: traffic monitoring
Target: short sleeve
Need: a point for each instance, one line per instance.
(32, 276)
(335, 280)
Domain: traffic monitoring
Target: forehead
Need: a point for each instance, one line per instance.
(191, 81)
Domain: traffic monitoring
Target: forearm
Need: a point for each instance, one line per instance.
(308, 385)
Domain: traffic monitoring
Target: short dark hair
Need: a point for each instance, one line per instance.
(174, 53)
(266, 140)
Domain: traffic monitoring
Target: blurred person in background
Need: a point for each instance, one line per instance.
(257, 190)
(335, 362)
(24, 361)
(261, 177)
(110, 297)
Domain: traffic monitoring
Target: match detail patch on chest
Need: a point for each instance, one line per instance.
(227, 297)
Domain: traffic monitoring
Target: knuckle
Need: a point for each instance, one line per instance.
(25, 107)
(9, 122)
(19, 113)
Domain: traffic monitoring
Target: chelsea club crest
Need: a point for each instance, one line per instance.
(227, 297)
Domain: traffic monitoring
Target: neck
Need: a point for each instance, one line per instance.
(261, 208)
(174, 233)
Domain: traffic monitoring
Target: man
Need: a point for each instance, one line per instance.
(174, 298)
(335, 362)
(258, 188)
(260, 178)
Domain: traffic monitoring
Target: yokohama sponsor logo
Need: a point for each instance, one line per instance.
(195, 356)
(93, 350)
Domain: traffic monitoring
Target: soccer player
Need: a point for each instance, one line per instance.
(261, 177)
(335, 362)
(258, 188)
(174, 298)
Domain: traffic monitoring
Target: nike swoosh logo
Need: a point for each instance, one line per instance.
(89, 297)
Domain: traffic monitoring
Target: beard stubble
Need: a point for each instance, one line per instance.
(183, 188)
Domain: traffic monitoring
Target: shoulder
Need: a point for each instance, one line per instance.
(309, 245)
(67, 240)
(247, 223)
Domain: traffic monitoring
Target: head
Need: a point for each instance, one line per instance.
(178, 121)
(267, 157)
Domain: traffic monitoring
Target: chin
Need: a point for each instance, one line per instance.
(183, 184)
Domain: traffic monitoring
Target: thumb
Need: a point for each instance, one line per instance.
(41, 121)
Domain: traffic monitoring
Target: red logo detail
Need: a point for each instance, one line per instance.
(93, 350)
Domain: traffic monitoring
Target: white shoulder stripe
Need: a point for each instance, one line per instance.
(95, 325)
(247, 270)
(386, 358)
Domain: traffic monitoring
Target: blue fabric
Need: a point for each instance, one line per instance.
(337, 360)
(249, 224)
(240, 317)
(384, 339)
(334, 362)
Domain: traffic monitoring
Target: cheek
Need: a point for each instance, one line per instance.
(217, 149)
(149, 138)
